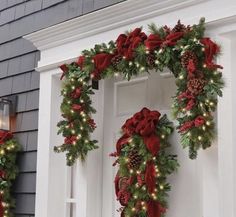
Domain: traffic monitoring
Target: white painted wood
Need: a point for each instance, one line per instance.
(187, 183)
(215, 167)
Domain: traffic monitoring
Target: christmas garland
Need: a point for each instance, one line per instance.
(8, 171)
(183, 50)
(141, 181)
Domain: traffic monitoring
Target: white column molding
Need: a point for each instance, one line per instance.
(64, 42)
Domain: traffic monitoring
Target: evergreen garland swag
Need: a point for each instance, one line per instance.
(8, 171)
(184, 50)
(141, 153)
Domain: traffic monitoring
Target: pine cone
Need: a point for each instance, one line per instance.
(116, 60)
(179, 27)
(151, 60)
(196, 85)
(186, 57)
(134, 159)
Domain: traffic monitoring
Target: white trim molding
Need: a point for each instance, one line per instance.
(64, 42)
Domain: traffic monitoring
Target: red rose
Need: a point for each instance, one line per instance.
(76, 93)
(154, 209)
(81, 61)
(150, 177)
(153, 143)
(199, 121)
(190, 105)
(211, 49)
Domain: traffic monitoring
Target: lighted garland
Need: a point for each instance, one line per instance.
(144, 164)
(8, 171)
(183, 50)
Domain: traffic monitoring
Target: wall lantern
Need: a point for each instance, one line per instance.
(7, 110)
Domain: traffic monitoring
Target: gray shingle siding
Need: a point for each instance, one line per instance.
(18, 59)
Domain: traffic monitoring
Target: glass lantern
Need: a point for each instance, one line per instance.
(5, 114)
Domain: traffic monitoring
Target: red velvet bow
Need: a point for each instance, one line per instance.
(80, 62)
(150, 177)
(154, 209)
(101, 62)
(143, 123)
(4, 136)
(211, 49)
(127, 44)
(154, 40)
(64, 69)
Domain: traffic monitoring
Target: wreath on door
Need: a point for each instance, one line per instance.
(184, 50)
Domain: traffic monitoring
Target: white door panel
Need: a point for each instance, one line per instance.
(123, 99)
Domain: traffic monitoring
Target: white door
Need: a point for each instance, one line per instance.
(121, 100)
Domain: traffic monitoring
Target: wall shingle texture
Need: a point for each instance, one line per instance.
(18, 59)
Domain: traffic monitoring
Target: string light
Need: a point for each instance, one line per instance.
(131, 171)
(208, 123)
(199, 138)
(161, 187)
(82, 101)
(73, 131)
(204, 127)
(116, 74)
(130, 63)
(157, 62)
(73, 87)
(163, 136)
(142, 68)
(181, 77)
